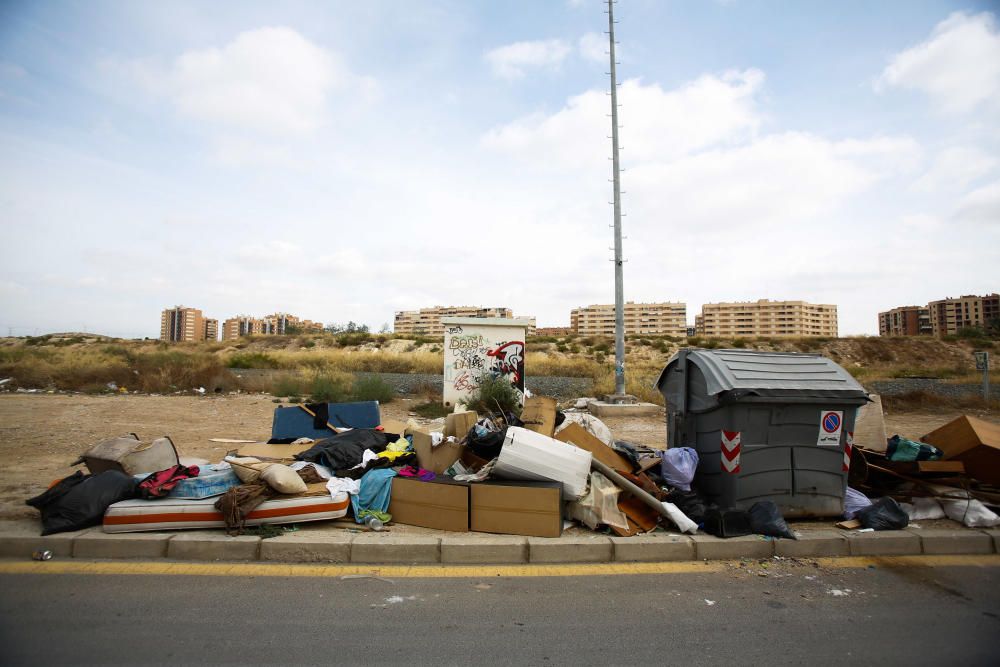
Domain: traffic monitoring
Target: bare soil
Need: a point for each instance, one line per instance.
(42, 434)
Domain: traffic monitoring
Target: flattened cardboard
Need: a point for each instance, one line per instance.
(393, 426)
(974, 442)
(575, 434)
(439, 504)
(539, 414)
(516, 508)
(458, 424)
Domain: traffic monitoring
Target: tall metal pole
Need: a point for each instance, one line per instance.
(619, 289)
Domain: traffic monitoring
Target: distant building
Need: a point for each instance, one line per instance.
(948, 316)
(766, 318)
(554, 331)
(666, 318)
(277, 324)
(186, 325)
(905, 321)
(427, 321)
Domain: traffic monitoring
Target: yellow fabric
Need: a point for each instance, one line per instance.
(392, 456)
(400, 445)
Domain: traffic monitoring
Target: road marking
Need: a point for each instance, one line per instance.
(456, 571)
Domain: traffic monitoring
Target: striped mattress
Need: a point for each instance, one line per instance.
(132, 516)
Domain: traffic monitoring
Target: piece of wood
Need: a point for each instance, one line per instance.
(638, 512)
(926, 467)
(539, 415)
(575, 434)
(313, 415)
(850, 524)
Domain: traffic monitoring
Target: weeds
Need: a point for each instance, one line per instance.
(494, 393)
(372, 389)
(431, 410)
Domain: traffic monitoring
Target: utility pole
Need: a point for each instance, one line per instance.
(619, 289)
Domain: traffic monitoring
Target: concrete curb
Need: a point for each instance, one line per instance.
(20, 540)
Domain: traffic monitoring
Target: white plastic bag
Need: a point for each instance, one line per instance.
(679, 518)
(966, 509)
(590, 423)
(855, 501)
(923, 509)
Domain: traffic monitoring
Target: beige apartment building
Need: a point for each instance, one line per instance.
(767, 318)
(427, 321)
(905, 321)
(948, 316)
(277, 324)
(187, 325)
(667, 318)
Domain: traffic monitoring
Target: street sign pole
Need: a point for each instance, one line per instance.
(983, 364)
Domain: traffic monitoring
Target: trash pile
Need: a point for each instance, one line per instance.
(754, 438)
(952, 472)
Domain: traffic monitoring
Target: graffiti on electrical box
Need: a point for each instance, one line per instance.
(469, 355)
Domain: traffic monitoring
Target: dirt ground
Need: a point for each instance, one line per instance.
(42, 434)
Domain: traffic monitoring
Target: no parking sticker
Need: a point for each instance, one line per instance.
(831, 423)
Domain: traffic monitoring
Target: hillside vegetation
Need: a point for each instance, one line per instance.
(90, 363)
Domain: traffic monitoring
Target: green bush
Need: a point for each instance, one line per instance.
(493, 394)
(372, 389)
(739, 343)
(288, 386)
(431, 410)
(329, 388)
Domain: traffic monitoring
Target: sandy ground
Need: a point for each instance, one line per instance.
(42, 434)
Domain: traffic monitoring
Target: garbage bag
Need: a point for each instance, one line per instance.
(901, 449)
(727, 523)
(960, 506)
(81, 502)
(590, 423)
(854, 501)
(883, 514)
(688, 502)
(923, 509)
(485, 444)
(766, 519)
(680, 519)
(678, 466)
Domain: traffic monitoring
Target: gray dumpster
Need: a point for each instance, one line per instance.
(767, 426)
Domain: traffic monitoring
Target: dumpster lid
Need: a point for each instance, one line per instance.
(770, 373)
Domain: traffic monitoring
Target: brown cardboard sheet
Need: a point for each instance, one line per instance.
(443, 505)
(582, 438)
(517, 508)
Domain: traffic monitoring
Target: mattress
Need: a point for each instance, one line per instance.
(131, 516)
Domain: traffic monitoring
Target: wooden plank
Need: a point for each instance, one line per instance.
(575, 434)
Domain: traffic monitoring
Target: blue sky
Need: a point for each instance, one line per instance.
(343, 161)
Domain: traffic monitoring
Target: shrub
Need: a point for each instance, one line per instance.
(431, 410)
(330, 388)
(372, 388)
(494, 393)
(288, 386)
(739, 343)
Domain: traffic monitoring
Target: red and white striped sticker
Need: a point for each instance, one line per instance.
(730, 452)
(848, 449)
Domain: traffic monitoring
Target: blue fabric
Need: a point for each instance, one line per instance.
(376, 485)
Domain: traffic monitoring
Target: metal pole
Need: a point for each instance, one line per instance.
(986, 377)
(619, 289)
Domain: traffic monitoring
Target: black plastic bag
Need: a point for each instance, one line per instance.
(883, 514)
(727, 523)
(688, 502)
(766, 519)
(486, 446)
(81, 503)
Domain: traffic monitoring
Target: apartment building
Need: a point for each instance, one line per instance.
(948, 316)
(905, 321)
(767, 318)
(427, 321)
(277, 324)
(187, 325)
(666, 318)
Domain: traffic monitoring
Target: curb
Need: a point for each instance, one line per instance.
(475, 548)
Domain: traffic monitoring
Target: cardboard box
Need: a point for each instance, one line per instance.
(440, 458)
(974, 442)
(539, 415)
(517, 508)
(575, 434)
(439, 504)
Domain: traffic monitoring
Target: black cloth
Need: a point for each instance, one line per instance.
(345, 450)
(321, 415)
(381, 462)
(79, 501)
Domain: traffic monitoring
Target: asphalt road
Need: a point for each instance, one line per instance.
(781, 613)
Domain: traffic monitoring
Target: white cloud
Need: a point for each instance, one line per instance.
(658, 123)
(594, 47)
(955, 168)
(982, 205)
(513, 60)
(958, 66)
(270, 81)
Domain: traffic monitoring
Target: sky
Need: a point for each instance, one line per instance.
(342, 161)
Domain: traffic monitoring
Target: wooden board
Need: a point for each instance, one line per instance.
(576, 435)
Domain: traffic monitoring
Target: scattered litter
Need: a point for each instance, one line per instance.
(709, 602)
(396, 599)
(837, 593)
(348, 577)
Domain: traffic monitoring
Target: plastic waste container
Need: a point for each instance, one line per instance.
(767, 426)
